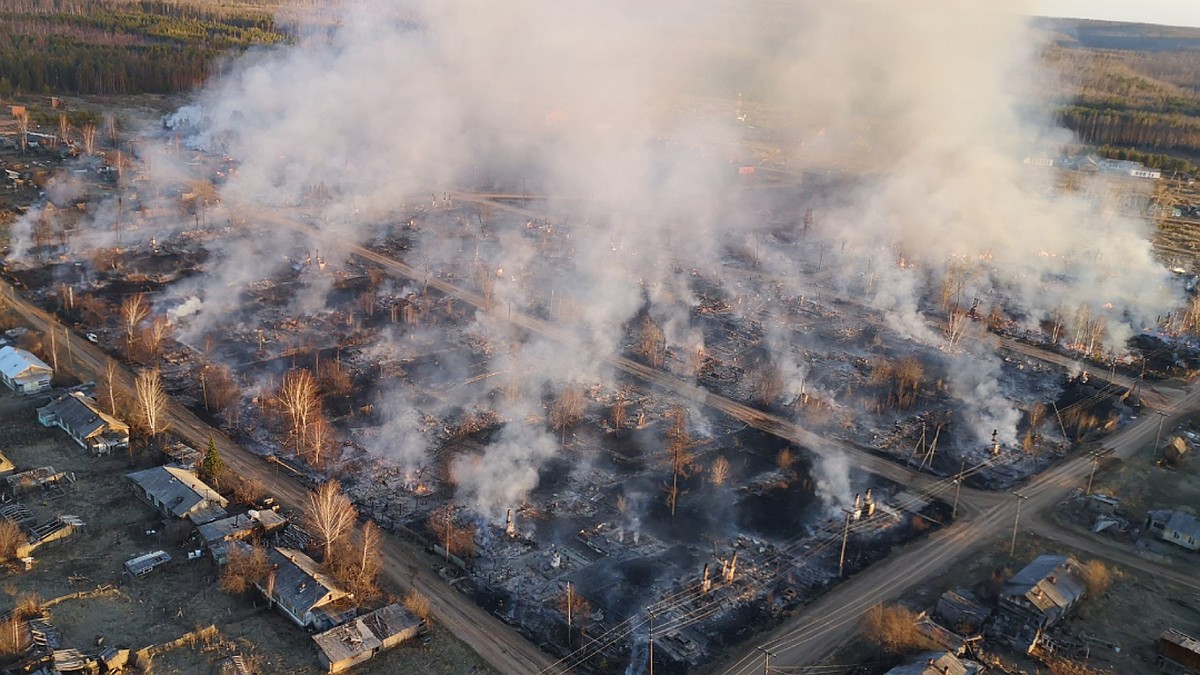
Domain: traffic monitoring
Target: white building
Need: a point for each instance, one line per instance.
(23, 372)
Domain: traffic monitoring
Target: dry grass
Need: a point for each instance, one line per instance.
(894, 629)
(418, 604)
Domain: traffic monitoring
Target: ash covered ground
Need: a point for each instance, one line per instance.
(570, 339)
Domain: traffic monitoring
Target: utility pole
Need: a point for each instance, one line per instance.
(958, 487)
(767, 654)
(570, 601)
(845, 535)
(651, 613)
(1095, 462)
(1157, 437)
(1012, 547)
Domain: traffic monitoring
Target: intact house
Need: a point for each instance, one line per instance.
(1037, 598)
(178, 493)
(360, 639)
(218, 535)
(23, 372)
(81, 417)
(309, 597)
(1177, 527)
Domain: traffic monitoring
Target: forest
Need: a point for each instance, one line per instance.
(1143, 96)
(119, 47)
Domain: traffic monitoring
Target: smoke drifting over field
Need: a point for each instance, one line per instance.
(611, 104)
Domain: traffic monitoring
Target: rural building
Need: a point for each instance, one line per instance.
(1037, 598)
(961, 610)
(23, 372)
(178, 493)
(1128, 168)
(936, 663)
(218, 534)
(360, 639)
(1177, 527)
(309, 597)
(81, 417)
(1177, 653)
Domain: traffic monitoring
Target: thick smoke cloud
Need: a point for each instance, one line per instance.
(623, 108)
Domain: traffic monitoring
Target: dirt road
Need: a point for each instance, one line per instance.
(405, 565)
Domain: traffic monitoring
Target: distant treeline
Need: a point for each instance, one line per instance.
(1139, 129)
(1166, 163)
(120, 48)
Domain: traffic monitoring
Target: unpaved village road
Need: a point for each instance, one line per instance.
(833, 620)
(405, 566)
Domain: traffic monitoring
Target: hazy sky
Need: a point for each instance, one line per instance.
(1169, 12)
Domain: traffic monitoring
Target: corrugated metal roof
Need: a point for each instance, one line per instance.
(299, 582)
(16, 362)
(83, 415)
(177, 488)
(1184, 524)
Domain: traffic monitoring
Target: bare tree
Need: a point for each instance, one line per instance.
(620, 414)
(768, 383)
(455, 539)
(218, 388)
(64, 129)
(574, 605)
(719, 472)
(330, 515)
(89, 139)
(134, 310)
(679, 454)
(244, 569)
(567, 409)
(651, 343)
(153, 336)
(301, 404)
(108, 388)
(23, 129)
(11, 538)
(150, 402)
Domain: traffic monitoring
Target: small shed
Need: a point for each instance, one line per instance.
(960, 609)
(1177, 652)
(145, 563)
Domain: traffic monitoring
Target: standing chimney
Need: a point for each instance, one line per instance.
(731, 569)
(510, 528)
(705, 582)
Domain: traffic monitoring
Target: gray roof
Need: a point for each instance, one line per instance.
(178, 489)
(931, 663)
(1184, 524)
(15, 363)
(1050, 583)
(80, 413)
(299, 581)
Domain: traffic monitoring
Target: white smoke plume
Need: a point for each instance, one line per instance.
(622, 108)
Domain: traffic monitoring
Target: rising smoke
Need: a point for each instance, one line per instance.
(621, 107)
